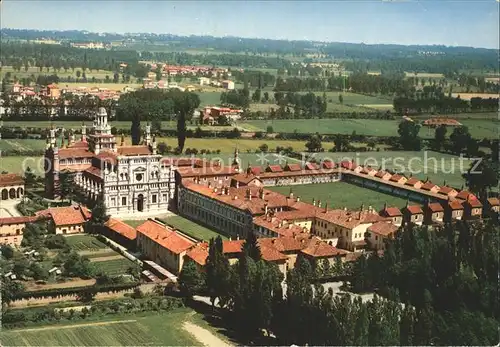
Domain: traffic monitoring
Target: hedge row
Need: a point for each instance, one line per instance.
(60, 292)
(19, 318)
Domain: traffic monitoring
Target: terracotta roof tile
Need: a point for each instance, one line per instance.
(164, 236)
(383, 228)
(121, 228)
(18, 220)
(455, 205)
(199, 253)
(474, 203)
(134, 150)
(66, 153)
(349, 219)
(293, 167)
(271, 254)
(428, 186)
(311, 166)
(10, 180)
(274, 168)
(232, 246)
(414, 209)
(396, 178)
(391, 212)
(320, 249)
(68, 215)
(435, 207)
(465, 195)
(412, 181)
(445, 190)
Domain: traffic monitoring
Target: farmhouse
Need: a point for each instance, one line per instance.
(67, 220)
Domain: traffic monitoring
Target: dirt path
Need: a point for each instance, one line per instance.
(110, 257)
(80, 325)
(204, 336)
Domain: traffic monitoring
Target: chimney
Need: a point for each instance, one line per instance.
(237, 236)
(215, 190)
(370, 209)
(314, 202)
(261, 193)
(237, 184)
(209, 184)
(319, 203)
(290, 195)
(265, 208)
(326, 207)
(290, 226)
(236, 197)
(249, 194)
(345, 208)
(298, 198)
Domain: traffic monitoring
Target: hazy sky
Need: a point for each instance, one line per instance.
(457, 23)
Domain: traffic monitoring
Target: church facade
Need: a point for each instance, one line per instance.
(130, 180)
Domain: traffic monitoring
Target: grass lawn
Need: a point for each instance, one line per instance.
(110, 86)
(15, 164)
(84, 243)
(113, 267)
(209, 98)
(191, 228)
(134, 223)
(151, 330)
(436, 166)
(33, 70)
(340, 195)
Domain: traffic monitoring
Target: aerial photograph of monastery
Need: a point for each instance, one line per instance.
(266, 173)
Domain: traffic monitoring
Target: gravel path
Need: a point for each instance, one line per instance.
(204, 336)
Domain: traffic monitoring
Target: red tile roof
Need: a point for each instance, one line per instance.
(93, 171)
(455, 205)
(199, 253)
(349, 219)
(18, 220)
(381, 174)
(108, 156)
(474, 203)
(311, 166)
(10, 180)
(383, 228)
(274, 168)
(435, 207)
(428, 186)
(465, 195)
(293, 167)
(319, 249)
(445, 190)
(66, 153)
(255, 170)
(349, 165)
(412, 181)
(232, 246)
(68, 215)
(164, 236)
(414, 209)
(121, 228)
(328, 164)
(391, 212)
(134, 150)
(271, 254)
(396, 178)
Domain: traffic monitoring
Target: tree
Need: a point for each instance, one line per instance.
(11, 290)
(217, 272)
(56, 242)
(6, 251)
(440, 137)
(66, 184)
(482, 177)
(314, 143)
(98, 218)
(78, 74)
(264, 148)
(135, 129)
(29, 177)
(424, 322)
(86, 296)
(269, 129)
(38, 272)
(256, 95)
(185, 103)
(459, 139)
(341, 99)
(251, 247)
(341, 143)
(190, 279)
(408, 135)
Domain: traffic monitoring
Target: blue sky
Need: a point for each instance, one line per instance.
(455, 23)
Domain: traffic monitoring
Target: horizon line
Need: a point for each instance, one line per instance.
(255, 38)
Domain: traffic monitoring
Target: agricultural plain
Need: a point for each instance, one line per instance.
(152, 330)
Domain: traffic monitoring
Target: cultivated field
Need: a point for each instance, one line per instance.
(15, 164)
(479, 128)
(112, 267)
(340, 194)
(152, 330)
(110, 86)
(191, 228)
(85, 243)
(424, 75)
(33, 70)
(438, 167)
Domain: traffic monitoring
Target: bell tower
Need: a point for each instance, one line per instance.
(101, 138)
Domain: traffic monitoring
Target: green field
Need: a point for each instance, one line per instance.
(340, 194)
(152, 330)
(114, 267)
(191, 228)
(33, 70)
(426, 164)
(85, 243)
(479, 128)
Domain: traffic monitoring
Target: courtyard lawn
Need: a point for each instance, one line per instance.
(114, 267)
(134, 223)
(153, 329)
(84, 242)
(191, 228)
(438, 167)
(341, 194)
(209, 98)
